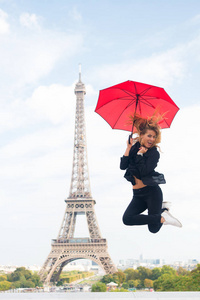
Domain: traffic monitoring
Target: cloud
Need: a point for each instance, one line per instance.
(36, 56)
(75, 14)
(53, 103)
(4, 25)
(48, 116)
(28, 56)
(50, 105)
(159, 69)
(29, 20)
(170, 65)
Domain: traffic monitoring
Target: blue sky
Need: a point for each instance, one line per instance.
(41, 46)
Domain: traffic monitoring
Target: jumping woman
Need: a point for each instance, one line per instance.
(140, 160)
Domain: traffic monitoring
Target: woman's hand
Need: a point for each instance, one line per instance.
(128, 148)
(129, 145)
(142, 150)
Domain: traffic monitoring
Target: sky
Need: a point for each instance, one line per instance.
(41, 46)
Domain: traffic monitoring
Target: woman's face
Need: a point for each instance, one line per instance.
(148, 139)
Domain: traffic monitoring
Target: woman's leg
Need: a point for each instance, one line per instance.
(154, 203)
(136, 207)
(143, 199)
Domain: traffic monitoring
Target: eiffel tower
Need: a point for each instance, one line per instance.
(67, 248)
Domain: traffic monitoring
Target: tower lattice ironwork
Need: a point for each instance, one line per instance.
(67, 248)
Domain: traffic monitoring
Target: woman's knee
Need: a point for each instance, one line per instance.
(126, 220)
(153, 228)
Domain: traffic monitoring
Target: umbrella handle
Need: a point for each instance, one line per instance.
(129, 138)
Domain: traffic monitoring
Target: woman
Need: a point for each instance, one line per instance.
(139, 161)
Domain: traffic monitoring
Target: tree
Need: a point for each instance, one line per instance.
(131, 274)
(156, 273)
(59, 283)
(3, 277)
(23, 278)
(184, 283)
(5, 285)
(19, 272)
(182, 271)
(195, 275)
(148, 283)
(134, 283)
(125, 285)
(131, 283)
(168, 270)
(165, 282)
(36, 279)
(99, 287)
(107, 278)
(119, 277)
(143, 274)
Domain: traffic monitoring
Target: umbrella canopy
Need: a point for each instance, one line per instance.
(117, 103)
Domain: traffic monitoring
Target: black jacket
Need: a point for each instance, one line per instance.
(142, 167)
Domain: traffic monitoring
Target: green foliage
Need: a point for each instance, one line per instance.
(181, 280)
(143, 274)
(107, 278)
(134, 283)
(170, 282)
(195, 275)
(99, 287)
(23, 283)
(131, 274)
(184, 283)
(68, 277)
(156, 272)
(148, 283)
(165, 282)
(182, 271)
(35, 278)
(23, 278)
(125, 285)
(122, 290)
(161, 279)
(118, 277)
(168, 270)
(3, 277)
(18, 273)
(5, 285)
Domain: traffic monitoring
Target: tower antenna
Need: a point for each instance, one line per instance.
(79, 72)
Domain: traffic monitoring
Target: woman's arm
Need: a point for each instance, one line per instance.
(124, 162)
(146, 165)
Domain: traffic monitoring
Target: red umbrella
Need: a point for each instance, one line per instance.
(118, 102)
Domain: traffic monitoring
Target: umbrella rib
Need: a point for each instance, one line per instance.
(145, 91)
(147, 102)
(124, 98)
(151, 97)
(123, 111)
(132, 95)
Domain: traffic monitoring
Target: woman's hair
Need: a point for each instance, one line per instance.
(141, 125)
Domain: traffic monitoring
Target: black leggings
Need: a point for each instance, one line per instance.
(149, 197)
